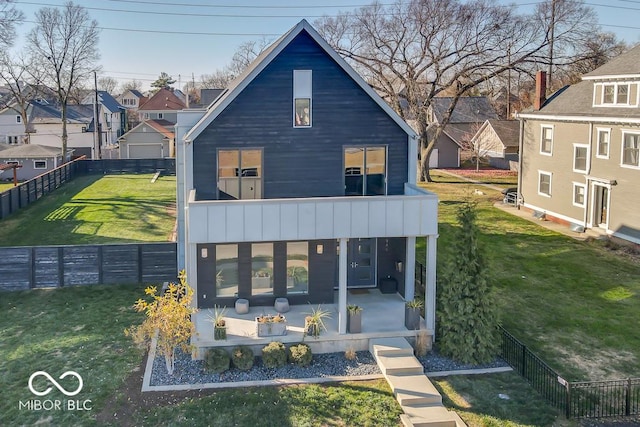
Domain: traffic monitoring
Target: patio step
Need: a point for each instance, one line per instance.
(414, 390)
(396, 346)
(432, 416)
(400, 365)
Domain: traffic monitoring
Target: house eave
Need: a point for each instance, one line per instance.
(579, 118)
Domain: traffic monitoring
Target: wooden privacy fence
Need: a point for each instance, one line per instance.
(29, 191)
(31, 267)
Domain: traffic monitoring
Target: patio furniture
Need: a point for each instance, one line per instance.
(242, 306)
(281, 305)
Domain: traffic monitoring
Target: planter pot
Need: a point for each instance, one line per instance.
(270, 329)
(412, 318)
(219, 333)
(354, 322)
(312, 329)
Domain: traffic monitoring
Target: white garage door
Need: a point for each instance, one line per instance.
(145, 151)
(433, 160)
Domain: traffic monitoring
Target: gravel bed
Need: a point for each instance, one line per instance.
(188, 371)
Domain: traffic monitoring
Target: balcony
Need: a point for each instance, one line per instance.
(218, 221)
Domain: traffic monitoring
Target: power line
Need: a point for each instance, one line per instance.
(221, 6)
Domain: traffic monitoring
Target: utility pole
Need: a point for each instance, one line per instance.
(551, 40)
(97, 134)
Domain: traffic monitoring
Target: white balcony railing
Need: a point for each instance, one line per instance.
(217, 221)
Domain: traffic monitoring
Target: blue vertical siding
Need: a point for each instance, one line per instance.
(301, 162)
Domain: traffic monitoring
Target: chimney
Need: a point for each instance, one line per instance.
(541, 90)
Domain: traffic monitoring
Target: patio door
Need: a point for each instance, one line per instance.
(361, 263)
(601, 206)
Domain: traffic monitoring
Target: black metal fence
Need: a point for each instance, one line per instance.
(28, 192)
(585, 399)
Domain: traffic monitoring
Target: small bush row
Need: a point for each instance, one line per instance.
(274, 355)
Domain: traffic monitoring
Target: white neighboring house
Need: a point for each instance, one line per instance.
(132, 99)
(112, 116)
(12, 128)
(45, 128)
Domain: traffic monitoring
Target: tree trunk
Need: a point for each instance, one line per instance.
(64, 132)
(169, 360)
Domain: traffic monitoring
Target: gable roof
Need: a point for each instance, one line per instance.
(30, 151)
(163, 100)
(624, 65)
(508, 131)
(265, 58)
(469, 109)
(163, 127)
(109, 102)
(47, 113)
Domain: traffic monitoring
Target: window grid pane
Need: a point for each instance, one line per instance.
(578, 195)
(545, 184)
(608, 94)
(226, 270)
(547, 140)
(262, 269)
(297, 268)
(631, 148)
(603, 143)
(580, 158)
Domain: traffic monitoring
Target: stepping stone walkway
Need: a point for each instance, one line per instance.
(419, 399)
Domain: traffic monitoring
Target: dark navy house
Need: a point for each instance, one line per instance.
(298, 181)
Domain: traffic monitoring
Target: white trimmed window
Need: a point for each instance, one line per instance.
(546, 140)
(160, 116)
(604, 139)
(579, 191)
(615, 94)
(631, 149)
(580, 158)
(39, 164)
(12, 139)
(18, 119)
(544, 183)
(302, 95)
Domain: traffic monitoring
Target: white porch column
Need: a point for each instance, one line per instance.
(342, 287)
(430, 293)
(410, 270)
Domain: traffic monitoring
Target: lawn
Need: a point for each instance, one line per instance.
(574, 303)
(4, 186)
(97, 209)
(81, 329)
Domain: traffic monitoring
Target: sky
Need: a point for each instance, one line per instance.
(188, 38)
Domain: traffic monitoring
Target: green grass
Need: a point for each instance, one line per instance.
(96, 209)
(503, 399)
(79, 329)
(367, 403)
(4, 186)
(573, 303)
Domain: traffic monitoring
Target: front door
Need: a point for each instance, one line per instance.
(361, 263)
(601, 205)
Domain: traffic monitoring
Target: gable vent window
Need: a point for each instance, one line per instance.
(302, 89)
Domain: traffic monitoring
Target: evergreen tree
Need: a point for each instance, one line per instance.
(467, 325)
(164, 81)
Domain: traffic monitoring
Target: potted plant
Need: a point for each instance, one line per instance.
(219, 324)
(412, 314)
(314, 321)
(268, 325)
(354, 319)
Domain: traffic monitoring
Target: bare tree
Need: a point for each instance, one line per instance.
(219, 79)
(9, 18)
(108, 84)
(413, 51)
(131, 85)
(65, 43)
(245, 55)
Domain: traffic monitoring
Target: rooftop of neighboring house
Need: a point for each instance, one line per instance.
(507, 130)
(163, 127)
(28, 151)
(108, 101)
(163, 100)
(626, 64)
(48, 113)
(469, 109)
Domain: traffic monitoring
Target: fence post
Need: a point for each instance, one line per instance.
(627, 398)
(524, 361)
(568, 400)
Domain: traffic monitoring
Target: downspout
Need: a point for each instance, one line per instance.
(520, 155)
(586, 178)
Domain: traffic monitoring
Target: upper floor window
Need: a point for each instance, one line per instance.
(365, 171)
(546, 140)
(18, 119)
(631, 149)
(544, 183)
(615, 94)
(580, 158)
(240, 174)
(302, 96)
(12, 139)
(160, 116)
(604, 137)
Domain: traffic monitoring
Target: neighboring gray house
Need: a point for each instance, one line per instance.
(164, 105)
(466, 119)
(35, 160)
(498, 140)
(580, 155)
(151, 139)
(299, 182)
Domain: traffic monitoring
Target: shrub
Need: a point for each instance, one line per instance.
(242, 357)
(300, 354)
(274, 355)
(216, 360)
(350, 354)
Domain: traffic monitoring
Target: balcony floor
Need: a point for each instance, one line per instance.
(382, 316)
